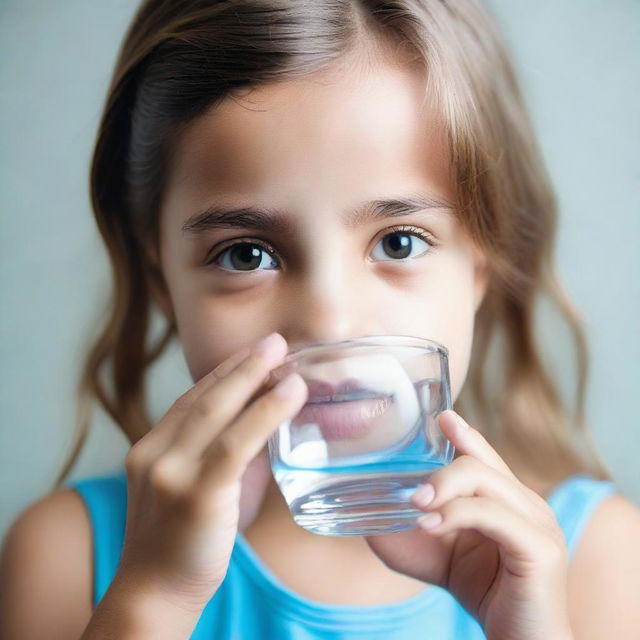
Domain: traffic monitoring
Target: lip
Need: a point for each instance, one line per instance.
(344, 419)
(321, 391)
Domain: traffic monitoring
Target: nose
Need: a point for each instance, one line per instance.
(328, 309)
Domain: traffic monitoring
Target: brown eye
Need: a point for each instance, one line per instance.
(244, 256)
(400, 244)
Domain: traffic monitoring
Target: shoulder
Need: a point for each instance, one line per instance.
(46, 570)
(604, 574)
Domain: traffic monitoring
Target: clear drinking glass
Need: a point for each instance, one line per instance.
(367, 436)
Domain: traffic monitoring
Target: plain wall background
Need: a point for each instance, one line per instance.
(579, 63)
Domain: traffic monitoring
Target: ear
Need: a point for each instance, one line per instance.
(157, 284)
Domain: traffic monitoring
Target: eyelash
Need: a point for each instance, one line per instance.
(408, 229)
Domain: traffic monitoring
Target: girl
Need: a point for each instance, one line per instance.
(274, 173)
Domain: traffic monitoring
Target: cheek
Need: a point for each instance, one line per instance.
(208, 337)
(439, 308)
(211, 327)
(460, 342)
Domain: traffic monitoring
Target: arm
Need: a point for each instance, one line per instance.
(45, 571)
(604, 576)
(46, 583)
(131, 611)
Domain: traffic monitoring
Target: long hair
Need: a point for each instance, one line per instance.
(180, 58)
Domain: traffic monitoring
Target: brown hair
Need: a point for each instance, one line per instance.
(182, 57)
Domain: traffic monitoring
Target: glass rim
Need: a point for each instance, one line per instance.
(373, 340)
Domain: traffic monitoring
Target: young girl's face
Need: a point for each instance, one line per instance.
(312, 262)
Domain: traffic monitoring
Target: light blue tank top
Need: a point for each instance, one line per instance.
(252, 603)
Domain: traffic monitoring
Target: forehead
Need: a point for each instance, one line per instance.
(348, 134)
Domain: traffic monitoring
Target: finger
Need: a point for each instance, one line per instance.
(468, 440)
(229, 454)
(526, 545)
(228, 365)
(163, 434)
(219, 404)
(467, 477)
(223, 369)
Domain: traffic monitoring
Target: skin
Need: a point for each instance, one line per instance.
(330, 156)
(314, 148)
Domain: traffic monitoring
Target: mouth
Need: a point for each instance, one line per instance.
(348, 390)
(346, 411)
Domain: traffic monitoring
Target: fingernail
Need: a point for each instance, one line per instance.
(423, 495)
(429, 521)
(286, 387)
(266, 344)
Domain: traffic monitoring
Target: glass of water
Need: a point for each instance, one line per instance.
(367, 436)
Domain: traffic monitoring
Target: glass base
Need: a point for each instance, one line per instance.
(358, 505)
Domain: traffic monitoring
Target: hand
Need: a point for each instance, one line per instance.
(495, 544)
(184, 476)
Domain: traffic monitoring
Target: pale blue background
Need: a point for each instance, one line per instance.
(580, 64)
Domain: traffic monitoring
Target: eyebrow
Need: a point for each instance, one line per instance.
(277, 221)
